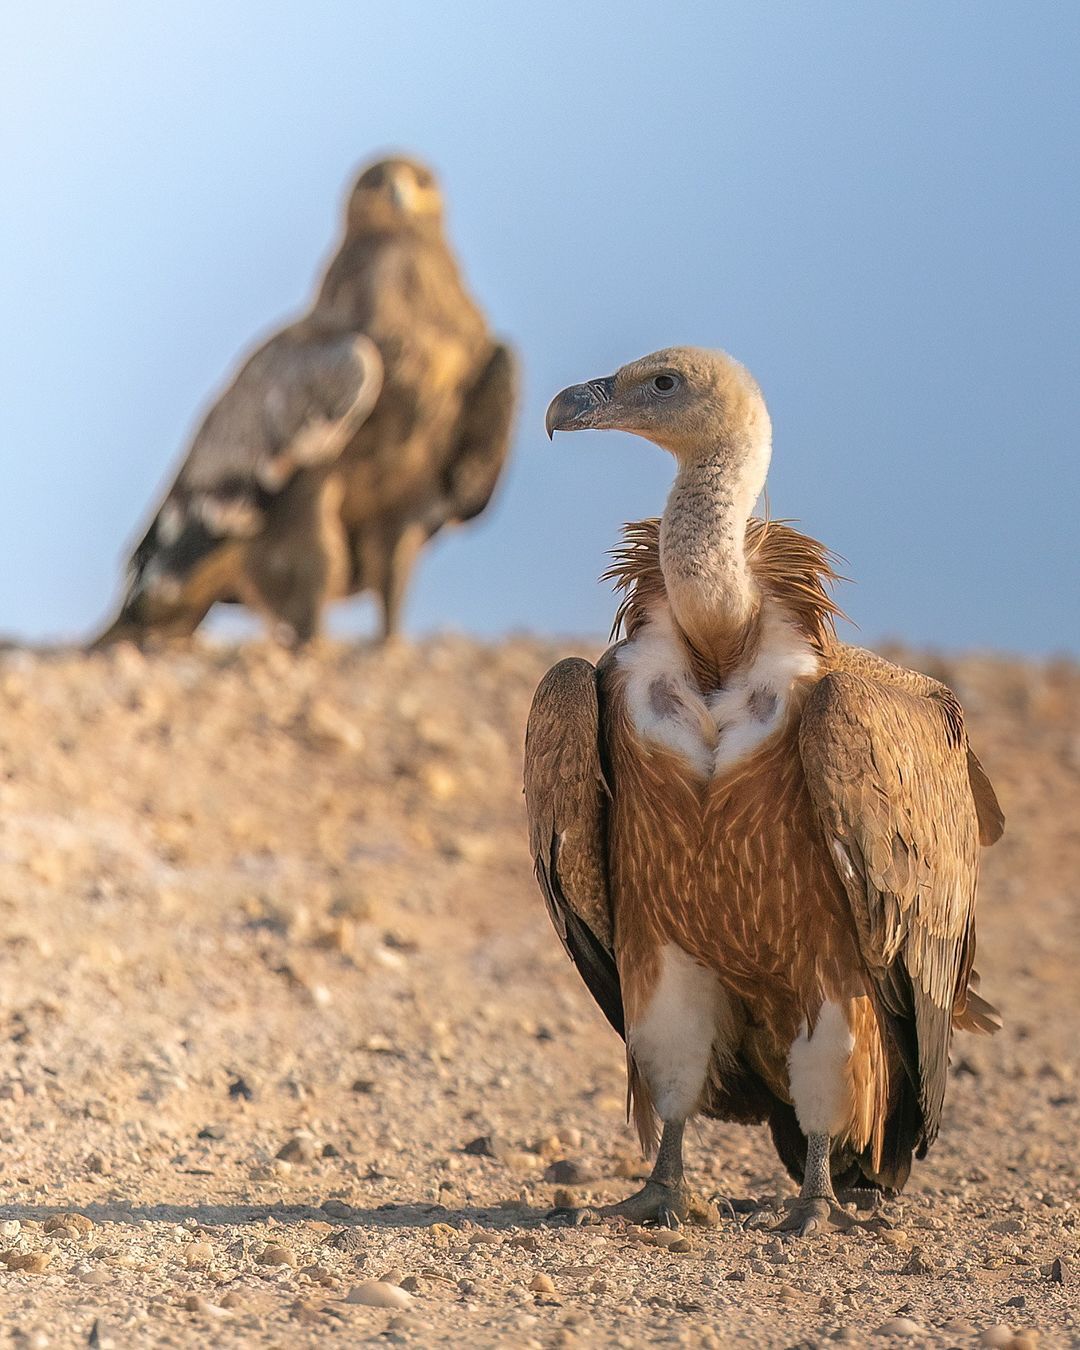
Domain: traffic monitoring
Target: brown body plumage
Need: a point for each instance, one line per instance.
(352, 516)
(758, 843)
(437, 440)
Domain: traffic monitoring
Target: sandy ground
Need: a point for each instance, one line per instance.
(271, 956)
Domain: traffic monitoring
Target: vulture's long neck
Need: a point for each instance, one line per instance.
(710, 588)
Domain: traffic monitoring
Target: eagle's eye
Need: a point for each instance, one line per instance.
(665, 384)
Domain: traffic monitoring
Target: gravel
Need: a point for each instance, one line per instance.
(257, 904)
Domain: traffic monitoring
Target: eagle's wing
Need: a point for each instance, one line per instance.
(293, 405)
(888, 768)
(566, 799)
(483, 440)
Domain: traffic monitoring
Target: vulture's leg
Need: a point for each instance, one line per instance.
(402, 551)
(821, 1082)
(816, 1208)
(671, 1030)
(665, 1198)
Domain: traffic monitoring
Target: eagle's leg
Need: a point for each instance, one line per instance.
(816, 1208)
(402, 551)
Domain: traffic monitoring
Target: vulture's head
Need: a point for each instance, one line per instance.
(690, 401)
(395, 194)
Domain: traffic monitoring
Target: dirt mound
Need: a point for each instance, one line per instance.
(271, 956)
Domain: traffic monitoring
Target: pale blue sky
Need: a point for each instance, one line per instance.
(874, 205)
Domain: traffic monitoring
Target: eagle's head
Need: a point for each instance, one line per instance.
(392, 194)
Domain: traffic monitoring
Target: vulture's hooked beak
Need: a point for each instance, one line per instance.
(579, 407)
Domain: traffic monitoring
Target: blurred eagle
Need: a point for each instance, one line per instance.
(344, 443)
(758, 845)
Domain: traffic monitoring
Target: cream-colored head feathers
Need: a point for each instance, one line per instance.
(688, 400)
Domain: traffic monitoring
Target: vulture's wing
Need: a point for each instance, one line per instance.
(566, 798)
(483, 438)
(294, 405)
(889, 774)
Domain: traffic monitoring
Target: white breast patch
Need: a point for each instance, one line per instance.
(712, 732)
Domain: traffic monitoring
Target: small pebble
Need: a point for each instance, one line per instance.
(96, 1275)
(403, 1324)
(916, 1263)
(900, 1326)
(659, 1237)
(485, 1146)
(378, 1294)
(346, 1240)
(569, 1172)
(195, 1303)
(306, 1314)
(273, 1255)
(301, 1148)
(64, 1224)
(999, 1335)
(31, 1263)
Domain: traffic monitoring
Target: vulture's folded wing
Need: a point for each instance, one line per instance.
(292, 406)
(888, 771)
(566, 799)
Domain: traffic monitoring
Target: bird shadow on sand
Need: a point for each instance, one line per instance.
(386, 1216)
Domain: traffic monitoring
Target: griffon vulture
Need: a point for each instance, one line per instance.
(351, 512)
(758, 845)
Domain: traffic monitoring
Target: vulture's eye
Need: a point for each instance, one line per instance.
(665, 384)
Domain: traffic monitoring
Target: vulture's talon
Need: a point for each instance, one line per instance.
(807, 1215)
(571, 1217)
(664, 1206)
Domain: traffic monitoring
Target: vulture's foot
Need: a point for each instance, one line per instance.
(667, 1206)
(809, 1214)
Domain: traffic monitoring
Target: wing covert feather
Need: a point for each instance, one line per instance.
(293, 405)
(566, 797)
(887, 765)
